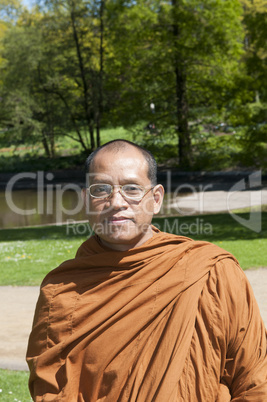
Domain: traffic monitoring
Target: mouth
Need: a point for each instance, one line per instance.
(118, 220)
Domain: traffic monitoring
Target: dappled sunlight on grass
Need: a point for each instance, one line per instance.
(14, 386)
(28, 264)
(28, 254)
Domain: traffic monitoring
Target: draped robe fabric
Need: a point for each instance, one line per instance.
(171, 320)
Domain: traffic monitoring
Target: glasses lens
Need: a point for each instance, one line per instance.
(133, 191)
(100, 190)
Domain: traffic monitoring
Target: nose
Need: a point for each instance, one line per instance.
(117, 201)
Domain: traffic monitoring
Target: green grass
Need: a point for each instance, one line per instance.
(14, 386)
(28, 254)
(25, 262)
(250, 248)
(250, 253)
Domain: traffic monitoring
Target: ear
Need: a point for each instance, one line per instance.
(158, 194)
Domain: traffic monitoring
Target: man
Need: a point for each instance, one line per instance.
(141, 315)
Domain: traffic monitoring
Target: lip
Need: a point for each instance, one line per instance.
(116, 220)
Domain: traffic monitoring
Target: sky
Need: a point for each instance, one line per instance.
(27, 3)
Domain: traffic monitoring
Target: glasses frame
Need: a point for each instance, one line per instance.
(120, 191)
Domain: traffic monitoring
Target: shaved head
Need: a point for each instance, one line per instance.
(117, 146)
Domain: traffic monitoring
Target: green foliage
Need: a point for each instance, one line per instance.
(52, 59)
(255, 23)
(247, 99)
(69, 69)
(30, 163)
(68, 153)
(255, 140)
(161, 142)
(9, 10)
(250, 122)
(221, 151)
(182, 57)
(28, 112)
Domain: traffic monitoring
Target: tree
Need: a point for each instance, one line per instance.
(55, 60)
(8, 14)
(84, 64)
(80, 28)
(255, 22)
(9, 10)
(30, 114)
(252, 111)
(181, 55)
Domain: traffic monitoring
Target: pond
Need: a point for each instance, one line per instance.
(57, 204)
(31, 207)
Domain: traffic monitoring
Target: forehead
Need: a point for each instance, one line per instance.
(127, 162)
(118, 158)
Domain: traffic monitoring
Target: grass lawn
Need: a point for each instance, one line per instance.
(27, 254)
(14, 386)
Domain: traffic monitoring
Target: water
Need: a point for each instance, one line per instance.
(62, 204)
(31, 207)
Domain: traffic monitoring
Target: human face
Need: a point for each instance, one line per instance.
(119, 222)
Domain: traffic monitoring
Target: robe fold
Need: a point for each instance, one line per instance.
(172, 320)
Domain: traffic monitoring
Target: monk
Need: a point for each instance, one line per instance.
(140, 315)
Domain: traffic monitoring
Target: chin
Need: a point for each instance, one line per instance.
(123, 242)
(126, 234)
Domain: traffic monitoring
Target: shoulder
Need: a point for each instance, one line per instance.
(228, 281)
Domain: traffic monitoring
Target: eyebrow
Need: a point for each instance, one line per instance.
(98, 178)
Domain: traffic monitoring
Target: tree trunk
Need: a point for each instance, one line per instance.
(100, 87)
(182, 118)
(83, 77)
(45, 145)
(184, 146)
(52, 143)
(76, 127)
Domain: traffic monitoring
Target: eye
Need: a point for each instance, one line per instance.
(133, 190)
(99, 190)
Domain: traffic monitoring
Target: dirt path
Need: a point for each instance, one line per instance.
(17, 308)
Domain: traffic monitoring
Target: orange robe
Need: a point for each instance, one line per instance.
(171, 320)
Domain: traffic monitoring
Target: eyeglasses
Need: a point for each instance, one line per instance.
(131, 191)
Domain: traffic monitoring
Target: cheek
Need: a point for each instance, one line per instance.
(94, 210)
(145, 210)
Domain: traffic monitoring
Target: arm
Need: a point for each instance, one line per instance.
(245, 370)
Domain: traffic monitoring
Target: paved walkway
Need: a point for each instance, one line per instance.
(17, 309)
(16, 315)
(219, 201)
